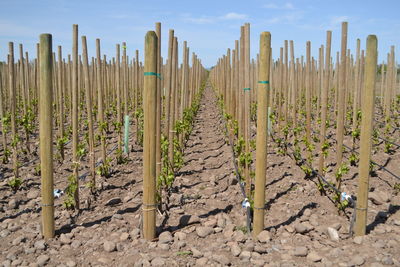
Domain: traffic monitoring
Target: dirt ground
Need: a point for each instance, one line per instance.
(206, 225)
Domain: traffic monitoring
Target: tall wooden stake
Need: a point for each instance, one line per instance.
(341, 98)
(89, 114)
(149, 144)
(158, 102)
(261, 139)
(12, 95)
(366, 134)
(75, 92)
(45, 134)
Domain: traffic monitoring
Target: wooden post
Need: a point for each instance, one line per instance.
(308, 93)
(2, 108)
(158, 99)
(149, 144)
(45, 134)
(12, 95)
(61, 99)
(293, 85)
(366, 133)
(324, 101)
(100, 100)
(173, 93)
(124, 81)
(341, 98)
(246, 115)
(261, 139)
(119, 96)
(89, 113)
(168, 83)
(75, 92)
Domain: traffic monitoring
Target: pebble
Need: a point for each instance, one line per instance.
(124, 236)
(12, 255)
(358, 260)
(135, 233)
(300, 228)
(181, 244)
(18, 240)
(117, 216)
(109, 246)
(375, 198)
(12, 204)
(71, 263)
(196, 253)
(163, 246)
(300, 251)
(32, 194)
(358, 240)
(245, 255)
(5, 233)
(249, 246)
(314, 256)
(307, 212)
(211, 223)
(29, 250)
(165, 237)
(203, 231)
(158, 261)
(260, 249)
(201, 262)
(180, 236)
(17, 262)
(221, 259)
(239, 236)
(264, 236)
(76, 244)
(333, 234)
(387, 260)
(40, 245)
(104, 260)
(392, 243)
(385, 196)
(42, 260)
(221, 222)
(14, 228)
(65, 239)
(235, 250)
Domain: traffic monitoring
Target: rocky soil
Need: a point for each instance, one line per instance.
(206, 225)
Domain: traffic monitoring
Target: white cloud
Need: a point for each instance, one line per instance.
(197, 20)
(289, 18)
(12, 29)
(212, 19)
(337, 20)
(287, 5)
(234, 16)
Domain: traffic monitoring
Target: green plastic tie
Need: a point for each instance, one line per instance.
(246, 89)
(263, 82)
(153, 74)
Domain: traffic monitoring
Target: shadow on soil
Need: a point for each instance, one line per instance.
(382, 217)
(311, 205)
(68, 227)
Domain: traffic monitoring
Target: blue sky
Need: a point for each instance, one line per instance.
(210, 27)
